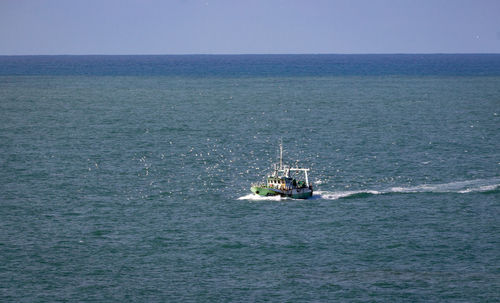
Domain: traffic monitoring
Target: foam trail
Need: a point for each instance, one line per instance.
(459, 187)
(478, 185)
(343, 194)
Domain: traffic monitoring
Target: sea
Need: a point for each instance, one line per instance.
(127, 178)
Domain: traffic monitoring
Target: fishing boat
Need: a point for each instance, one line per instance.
(282, 182)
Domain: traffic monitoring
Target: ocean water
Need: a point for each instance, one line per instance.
(126, 178)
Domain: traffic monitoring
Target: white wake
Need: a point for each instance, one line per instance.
(459, 187)
(255, 197)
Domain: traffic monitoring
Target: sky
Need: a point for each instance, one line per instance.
(61, 27)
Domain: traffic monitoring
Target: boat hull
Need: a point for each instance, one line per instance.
(300, 193)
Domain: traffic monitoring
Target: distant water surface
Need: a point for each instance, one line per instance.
(254, 65)
(126, 178)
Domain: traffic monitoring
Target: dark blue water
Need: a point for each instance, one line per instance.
(126, 178)
(254, 65)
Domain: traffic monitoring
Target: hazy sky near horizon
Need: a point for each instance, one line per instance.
(248, 27)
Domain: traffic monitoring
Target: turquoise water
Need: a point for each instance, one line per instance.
(127, 178)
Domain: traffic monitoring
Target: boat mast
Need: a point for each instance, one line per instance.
(281, 154)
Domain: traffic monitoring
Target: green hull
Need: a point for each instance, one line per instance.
(266, 192)
(304, 195)
(262, 191)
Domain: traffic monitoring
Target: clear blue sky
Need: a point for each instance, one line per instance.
(248, 27)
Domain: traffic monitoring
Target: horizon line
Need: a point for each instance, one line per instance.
(249, 54)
